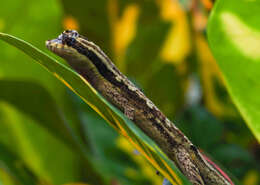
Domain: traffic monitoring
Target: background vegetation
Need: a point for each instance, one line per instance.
(162, 47)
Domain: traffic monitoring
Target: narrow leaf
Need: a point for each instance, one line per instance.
(116, 119)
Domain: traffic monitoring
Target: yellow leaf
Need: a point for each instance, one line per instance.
(207, 3)
(210, 70)
(177, 44)
(70, 23)
(148, 172)
(123, 29)
(251, 178)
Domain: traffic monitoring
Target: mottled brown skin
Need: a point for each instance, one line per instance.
(90, 62)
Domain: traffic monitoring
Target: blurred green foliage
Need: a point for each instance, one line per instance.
(160, 46)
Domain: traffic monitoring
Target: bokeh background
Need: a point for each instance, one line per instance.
(161, 46)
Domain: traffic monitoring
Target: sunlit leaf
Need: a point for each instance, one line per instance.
(116, 119)
(234, 37)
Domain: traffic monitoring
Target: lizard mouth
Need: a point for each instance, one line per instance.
(68, 37)
(62, 44)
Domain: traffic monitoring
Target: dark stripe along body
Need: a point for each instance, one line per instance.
(89, 61)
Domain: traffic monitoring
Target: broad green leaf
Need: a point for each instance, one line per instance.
(116, 119)
(234, 37)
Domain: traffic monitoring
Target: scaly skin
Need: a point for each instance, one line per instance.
(89, 61)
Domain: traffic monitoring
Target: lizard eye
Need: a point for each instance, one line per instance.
(69, 41)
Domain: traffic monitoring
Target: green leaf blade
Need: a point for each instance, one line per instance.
(116, 119)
